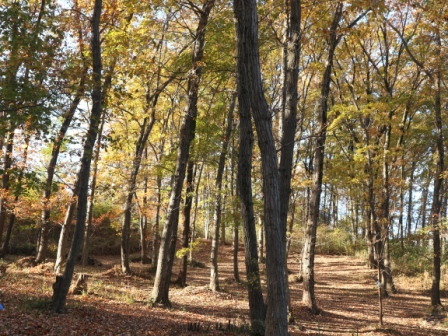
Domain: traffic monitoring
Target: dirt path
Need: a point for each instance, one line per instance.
(117, 305)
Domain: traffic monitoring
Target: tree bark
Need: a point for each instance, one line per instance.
(62, 285)
(12, 216)
(291, 56)
(7, 162)
(249, 67)
(309, 298)
(436, 199)
(88, 230)
(169, 236)
(214, 281)
(182, 278)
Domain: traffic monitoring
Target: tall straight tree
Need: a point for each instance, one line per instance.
(309, 298)
(169, 235)
(257, 308)
(291, 55)
(248, 54)
(63, 282)
(214, 281)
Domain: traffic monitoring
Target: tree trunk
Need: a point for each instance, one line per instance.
(309, 298)
(249, 67)
(88, 230)
(410, 201)
(7, 162)
(236, 273)
(182, 278)
(214, 281)
(62, 284)
(155, 228)
(12, 216)
(187, 133)
(291, 55)
(63, 236)
(261, 241)
(436, 200)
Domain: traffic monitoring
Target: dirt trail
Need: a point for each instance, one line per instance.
(117, 304)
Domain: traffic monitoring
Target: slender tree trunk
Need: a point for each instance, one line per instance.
(63, 282)
(88, 230)
(12, 216)
(257, 309)
(249, 66)
(63, 235)
(214, 281)
(236, 273)
(144, 220)
(410, 205)
(438, 183)
(193, 228)
(260, 241)
(155, 228)
(169, 236)
(182, 278)
(42, 244)
(309, 298)
(7, 162)
(291, 55)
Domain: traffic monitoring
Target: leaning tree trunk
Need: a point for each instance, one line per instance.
(63, 282)
(214, 281)
(257, 309)
(309, 298)
(291, 55)
(169, 235)
(249, 67)
(63, 235)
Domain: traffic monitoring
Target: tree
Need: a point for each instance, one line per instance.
(169, 236)
(62, 284)
(248, 57)
(318, 163)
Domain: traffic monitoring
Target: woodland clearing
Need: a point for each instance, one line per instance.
(117, 305)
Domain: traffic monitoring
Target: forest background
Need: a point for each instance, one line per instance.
(106, 107)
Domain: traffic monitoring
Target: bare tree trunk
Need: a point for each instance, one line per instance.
(182, 278)
(169, 236)
(42, 244)
(410, 200)
(155, 228)
(249, 67)
(12, 216)
(193, 228)
(7, 162)
(436, 303)
(309, 298)
(63, 235)
(214, 281)
(62, 284)
(88, 230)
(261, 241)
(291, 56)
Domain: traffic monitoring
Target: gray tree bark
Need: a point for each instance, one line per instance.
(249, 67)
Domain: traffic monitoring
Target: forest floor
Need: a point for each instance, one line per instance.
(117, 305)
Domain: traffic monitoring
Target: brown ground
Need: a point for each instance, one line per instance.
(116, 304)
